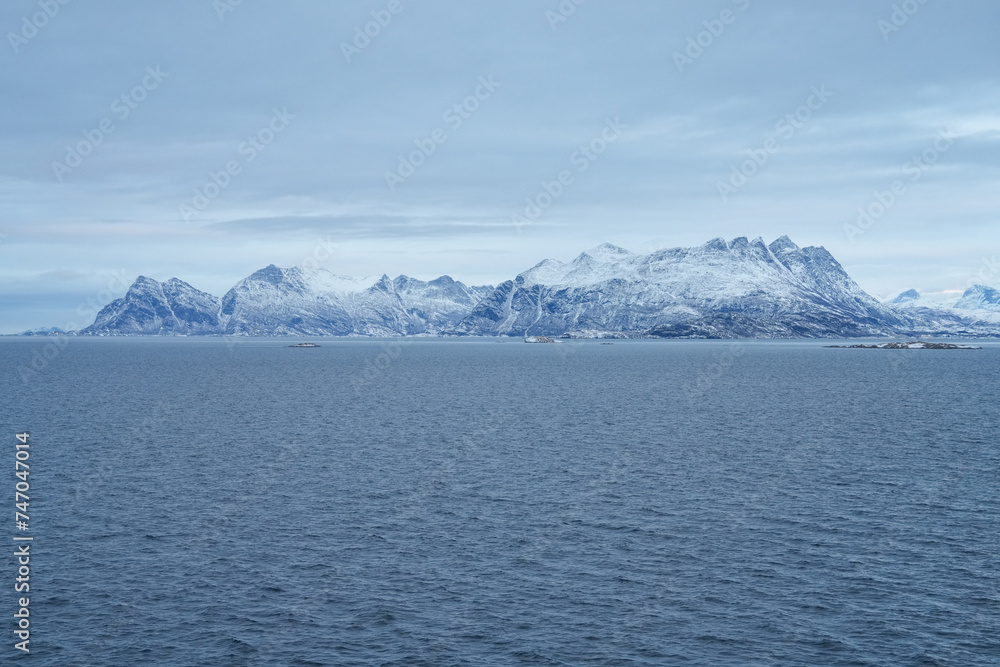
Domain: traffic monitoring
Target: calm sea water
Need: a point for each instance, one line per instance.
(197, 502)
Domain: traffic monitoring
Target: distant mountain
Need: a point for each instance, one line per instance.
(151, 307)
(907, 297)
(276, 302)
(722, 289)
(718, 290)
(976, 314)
(295, 301)
(979, 297)
(48, 331)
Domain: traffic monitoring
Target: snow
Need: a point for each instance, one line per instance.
(747, 287)
(715, 271)
(738, 288)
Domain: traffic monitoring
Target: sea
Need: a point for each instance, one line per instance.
(210, 501)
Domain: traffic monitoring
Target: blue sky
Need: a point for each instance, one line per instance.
(205, 139)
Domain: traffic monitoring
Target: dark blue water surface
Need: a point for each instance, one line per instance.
(467, 502)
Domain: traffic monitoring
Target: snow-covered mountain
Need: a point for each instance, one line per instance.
(976, 313)
(909, 297)
(276, 301)
(152, 307)
(914, 299)
(44, 331)
(980, 297)
(722, 289)
(296, 301)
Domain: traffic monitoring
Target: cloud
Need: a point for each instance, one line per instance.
(354, 121)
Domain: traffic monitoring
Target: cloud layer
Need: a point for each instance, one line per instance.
(205, 139)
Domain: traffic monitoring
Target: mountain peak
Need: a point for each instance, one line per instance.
(545, 272)
(154, 308)
(384, 284)
(979, 297)
(608, 250)
(782, 245)
(980, 291)
(269, 274)
(907, 296)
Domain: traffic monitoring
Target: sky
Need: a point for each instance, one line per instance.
(205, 139)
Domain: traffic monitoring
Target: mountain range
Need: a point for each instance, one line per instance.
(722, 289)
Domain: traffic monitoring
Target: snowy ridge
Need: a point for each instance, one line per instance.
(979, 297)
(151, 307)
(295, 301)
(276, 301)
(976, 313)
(737, 288)
(721, 289)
